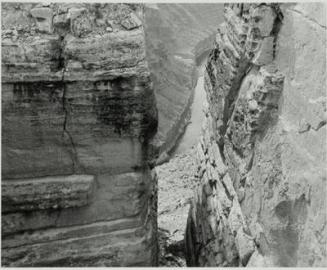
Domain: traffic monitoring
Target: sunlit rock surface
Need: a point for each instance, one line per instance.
(261, 200)
(78, 112)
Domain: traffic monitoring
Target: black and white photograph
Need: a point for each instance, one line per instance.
(163, 134)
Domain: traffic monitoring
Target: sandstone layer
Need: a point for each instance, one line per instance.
(261, 199)
(78, 111)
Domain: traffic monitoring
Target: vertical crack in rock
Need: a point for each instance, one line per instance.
(65, 130)
(276, 27)
(62, 67)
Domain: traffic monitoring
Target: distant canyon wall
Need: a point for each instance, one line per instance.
(176, 35)
(78, 112)
(261, 195)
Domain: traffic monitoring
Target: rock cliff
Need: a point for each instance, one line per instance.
(78, 111)
(261, 195)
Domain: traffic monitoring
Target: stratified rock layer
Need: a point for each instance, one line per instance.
(78, 112)
(261, 200)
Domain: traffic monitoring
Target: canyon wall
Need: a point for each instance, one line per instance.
(176, 35)
(78, 111)
(261, 159)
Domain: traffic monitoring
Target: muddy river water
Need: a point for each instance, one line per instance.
(193, 129)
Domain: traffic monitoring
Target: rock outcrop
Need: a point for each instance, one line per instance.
(175, 189)
(78, 111)
(261, 199)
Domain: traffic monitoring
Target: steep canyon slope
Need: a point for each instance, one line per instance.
(261, 169)
(176, 36)
(78, 111)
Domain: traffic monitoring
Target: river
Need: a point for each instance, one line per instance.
(193, 130)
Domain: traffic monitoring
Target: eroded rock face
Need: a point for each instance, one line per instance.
(78, 112)
(261, 200)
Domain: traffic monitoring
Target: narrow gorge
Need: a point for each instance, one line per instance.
(166, 135)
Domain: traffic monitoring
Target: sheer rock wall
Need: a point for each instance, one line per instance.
(261, 195)
(78, 111)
